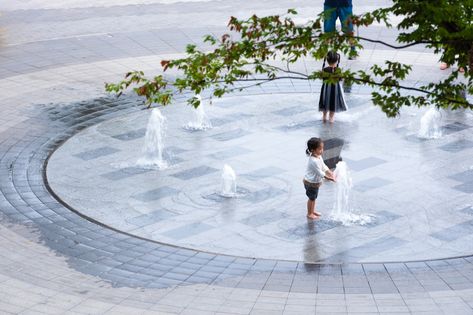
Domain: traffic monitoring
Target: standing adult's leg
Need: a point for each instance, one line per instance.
(330, 18)
(346, 14)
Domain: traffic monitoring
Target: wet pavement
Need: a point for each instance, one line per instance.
(60, 255)
(418, 201)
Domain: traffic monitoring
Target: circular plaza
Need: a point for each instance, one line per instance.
(85, 228)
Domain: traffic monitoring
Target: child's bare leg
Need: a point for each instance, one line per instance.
(310, 209)
(332, 116)
(324, 116)
(314, 211)
(310, 206)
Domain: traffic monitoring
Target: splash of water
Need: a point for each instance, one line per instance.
(343, 188)
(354, 115)
(229, 188)
(201, 121)
(154, 141)
(342, 210)
(430, 125)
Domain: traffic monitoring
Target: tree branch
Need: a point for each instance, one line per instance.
(392, 46)
(413, 89)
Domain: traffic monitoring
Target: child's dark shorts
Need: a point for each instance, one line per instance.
(311, 190)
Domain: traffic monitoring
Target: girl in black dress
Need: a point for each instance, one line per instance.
(331, 95)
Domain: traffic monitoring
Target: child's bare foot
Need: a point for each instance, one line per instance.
(332, 120)
(444, 66)
(317, 213)
(312, 216)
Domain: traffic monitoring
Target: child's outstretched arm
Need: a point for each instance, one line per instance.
(329, 175)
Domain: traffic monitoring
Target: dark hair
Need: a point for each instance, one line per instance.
(313, 144)
(333, 57)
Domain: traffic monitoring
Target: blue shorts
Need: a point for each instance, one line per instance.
(311, 191)
(343, 13)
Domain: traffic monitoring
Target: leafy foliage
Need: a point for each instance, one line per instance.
(252, 52)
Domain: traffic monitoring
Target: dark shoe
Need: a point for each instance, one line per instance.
(352, 55)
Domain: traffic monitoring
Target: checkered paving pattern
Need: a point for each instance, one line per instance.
(269, 161)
